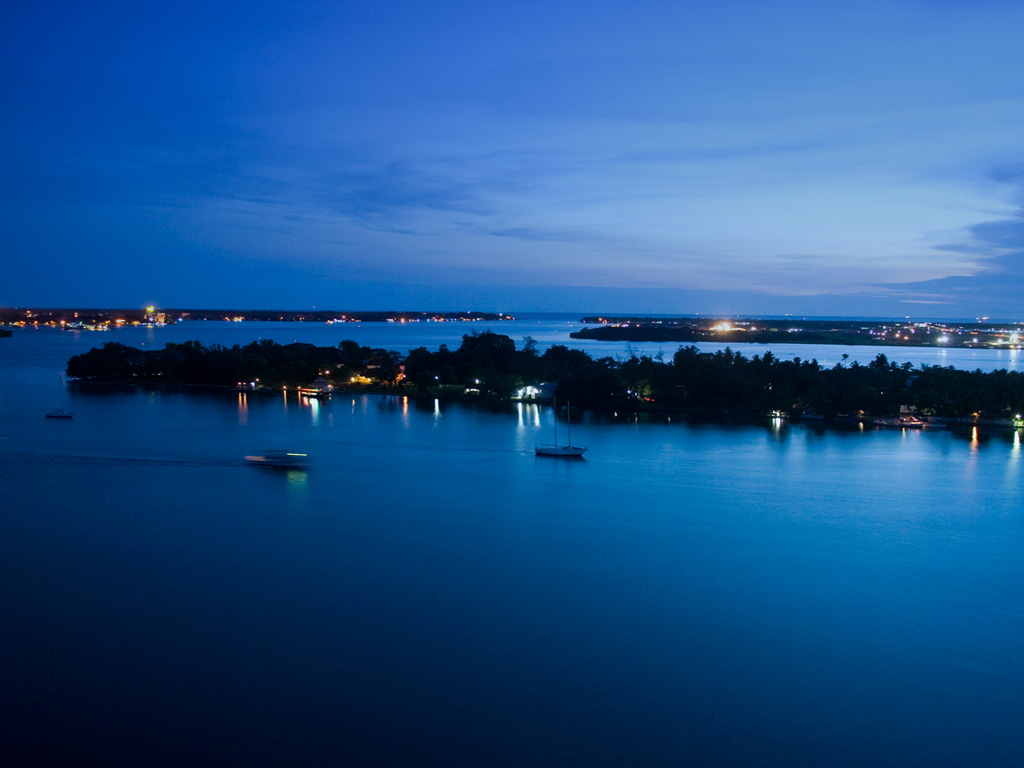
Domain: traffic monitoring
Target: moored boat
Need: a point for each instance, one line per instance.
(567, 450)
(60, 413)
(559, 450)
(907, 422)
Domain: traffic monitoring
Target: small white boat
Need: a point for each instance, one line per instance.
(278, 460)
(555, 449)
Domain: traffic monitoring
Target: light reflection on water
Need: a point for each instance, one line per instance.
(297, 484)
(313, 403)
(529, 415)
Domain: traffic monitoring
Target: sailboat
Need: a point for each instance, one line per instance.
(60, 413)
(561, 450)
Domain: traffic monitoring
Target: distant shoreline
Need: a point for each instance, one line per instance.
(90, 319)
(978, 335)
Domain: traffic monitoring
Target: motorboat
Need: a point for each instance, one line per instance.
(278, 460)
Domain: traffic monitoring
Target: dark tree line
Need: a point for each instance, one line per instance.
(723, 383)
(718, 383)
(491, 364)
(726, 382)
(267, 362)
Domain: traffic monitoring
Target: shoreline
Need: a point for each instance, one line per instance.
(962, 426)
(904, 333)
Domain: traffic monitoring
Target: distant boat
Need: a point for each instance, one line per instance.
(907, 422)
(278, 460)
(60, 413)
(568, 450)
(319, 388)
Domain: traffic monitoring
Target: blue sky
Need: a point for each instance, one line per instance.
(743, 158)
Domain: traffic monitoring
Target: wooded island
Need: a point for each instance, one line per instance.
(700, 384)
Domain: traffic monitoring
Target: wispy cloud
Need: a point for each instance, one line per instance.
(737, 149)
(997, 250)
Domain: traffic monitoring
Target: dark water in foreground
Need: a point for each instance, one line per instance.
(430, 593)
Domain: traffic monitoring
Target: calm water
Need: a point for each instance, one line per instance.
(431, 593)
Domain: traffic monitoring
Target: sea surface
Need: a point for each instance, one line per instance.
(429, 592)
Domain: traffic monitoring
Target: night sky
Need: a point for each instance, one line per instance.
(734, 157)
